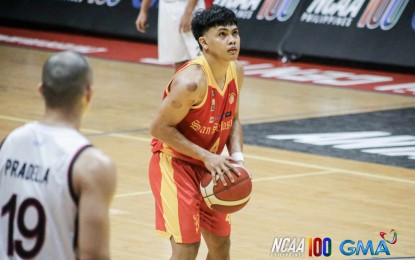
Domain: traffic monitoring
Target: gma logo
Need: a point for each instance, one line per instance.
(348, 248)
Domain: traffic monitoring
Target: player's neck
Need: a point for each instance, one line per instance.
(56, 117)
(218, 68)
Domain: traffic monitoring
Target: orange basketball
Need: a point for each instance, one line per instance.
(230, 198)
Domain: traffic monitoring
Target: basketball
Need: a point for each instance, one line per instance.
(230, 198)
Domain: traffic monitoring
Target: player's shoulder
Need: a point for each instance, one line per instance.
(96, 158)
(94, 173)
(93, 164)
(239, 70)
(238, 67)
(18, 134)
(21, 131)
(191, 72)
(191, 78)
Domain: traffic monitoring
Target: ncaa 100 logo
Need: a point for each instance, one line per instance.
(300, 247)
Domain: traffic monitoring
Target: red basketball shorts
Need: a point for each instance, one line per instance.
(181, 212)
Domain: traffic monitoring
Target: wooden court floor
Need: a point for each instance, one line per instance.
(294, 194)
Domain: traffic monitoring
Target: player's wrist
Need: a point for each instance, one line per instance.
(238, 157)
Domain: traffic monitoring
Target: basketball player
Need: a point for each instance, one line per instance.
(199, 114)
(55, 188)
(176, 43)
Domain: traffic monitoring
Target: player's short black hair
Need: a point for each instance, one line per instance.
(214, 16)
(65, 78)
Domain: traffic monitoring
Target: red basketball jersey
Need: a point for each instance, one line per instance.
(209, 123)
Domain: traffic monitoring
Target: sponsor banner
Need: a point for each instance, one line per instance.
(386, 82)
(373, 31)
(384, 137)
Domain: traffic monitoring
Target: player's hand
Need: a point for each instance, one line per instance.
(185, 22)
(242, 163)
(141, 22)
(220, 165)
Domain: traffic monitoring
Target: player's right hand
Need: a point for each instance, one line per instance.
(220, 165)
(141, 22)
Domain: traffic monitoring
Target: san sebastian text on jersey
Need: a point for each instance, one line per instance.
(208, 130)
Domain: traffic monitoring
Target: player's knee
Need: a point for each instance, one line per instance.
(220, 249)
(225, 245)
(185, 251)
(222, 245)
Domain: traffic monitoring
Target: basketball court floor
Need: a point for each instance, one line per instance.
(332, 149)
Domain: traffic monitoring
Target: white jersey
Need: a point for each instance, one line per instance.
(37, 202)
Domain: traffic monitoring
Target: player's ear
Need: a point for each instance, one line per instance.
(89, 92)
(40, 88)
(203, 43)
(87, 100)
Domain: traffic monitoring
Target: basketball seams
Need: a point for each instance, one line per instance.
(226, 188)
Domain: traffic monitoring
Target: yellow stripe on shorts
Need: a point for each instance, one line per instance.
(169, 200)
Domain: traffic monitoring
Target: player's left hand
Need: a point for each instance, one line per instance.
(185, 23)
